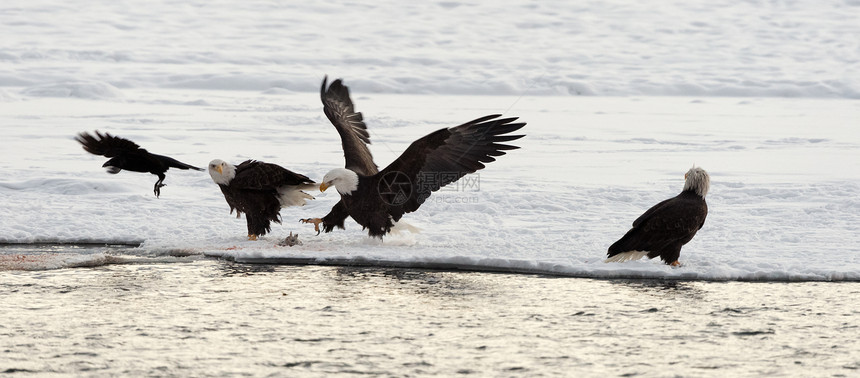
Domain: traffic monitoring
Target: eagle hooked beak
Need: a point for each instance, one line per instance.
(219, 169)
(324, 186)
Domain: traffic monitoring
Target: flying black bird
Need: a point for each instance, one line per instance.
(377, 199)
(668, 225)
(259, 190)
(125, 154)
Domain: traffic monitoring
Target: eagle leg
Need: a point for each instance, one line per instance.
(675, 263)
(315, 221)
(158, 185)
(252, 237)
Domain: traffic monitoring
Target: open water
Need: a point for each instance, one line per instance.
(209, 317)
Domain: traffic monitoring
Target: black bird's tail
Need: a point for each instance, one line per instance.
(171, 162)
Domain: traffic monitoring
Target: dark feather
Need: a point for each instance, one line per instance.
(350, 125)
(446, 155)
(127, 155)
(261, 207)
(664, 228)
(254, 192)
(257, 175)
(107, 145)
(429, 163)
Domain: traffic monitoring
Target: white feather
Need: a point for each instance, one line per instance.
(627, 256)
(344, 180)
(698, 180)
(292, 195)
(228, 172)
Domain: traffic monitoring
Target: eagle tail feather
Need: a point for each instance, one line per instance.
(292, 195)
(626, 256)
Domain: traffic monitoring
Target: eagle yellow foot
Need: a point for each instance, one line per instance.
(252, 237)
(315, 221)
(675, 263)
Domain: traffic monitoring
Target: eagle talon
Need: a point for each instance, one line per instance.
(675, 263)
(315, 221)
(252, 237)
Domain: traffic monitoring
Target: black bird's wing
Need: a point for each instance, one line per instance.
(256, 175)
(106, 145)
(350, 125)
(446, 155)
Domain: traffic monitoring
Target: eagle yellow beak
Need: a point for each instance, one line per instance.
(323, 187)
(218, 168)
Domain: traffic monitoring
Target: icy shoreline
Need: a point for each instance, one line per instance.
(785, 180)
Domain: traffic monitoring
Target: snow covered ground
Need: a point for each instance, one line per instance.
(764, 98)
(617, 47)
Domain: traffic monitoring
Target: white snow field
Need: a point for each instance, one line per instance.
(620, 100)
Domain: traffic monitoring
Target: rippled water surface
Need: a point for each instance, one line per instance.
(208, 317)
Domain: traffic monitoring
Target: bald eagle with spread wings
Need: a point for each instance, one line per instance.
(127, 155)
(376, 199)
(668, 225)
(259, 190)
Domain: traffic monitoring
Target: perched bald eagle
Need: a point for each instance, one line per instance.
(377, 199)
(259, 190)
(127, 155)
(668, 225)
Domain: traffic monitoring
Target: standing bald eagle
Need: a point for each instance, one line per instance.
(668, 225)
(127, 155)
(259, 190)
(377, 199)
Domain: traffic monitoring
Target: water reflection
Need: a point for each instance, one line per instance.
(428, 283)
(233, 269)
(664, 288)
(53, 248)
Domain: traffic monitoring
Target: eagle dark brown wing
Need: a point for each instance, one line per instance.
(256, 175)
(446, 155)
(350, 125)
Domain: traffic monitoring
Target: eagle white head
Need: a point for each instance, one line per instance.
(221, 171)
(344, 180)
(697, 180)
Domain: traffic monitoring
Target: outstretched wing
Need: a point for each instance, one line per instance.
(446, 155)
(106, 144)
(256, 175)
(350, 125)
